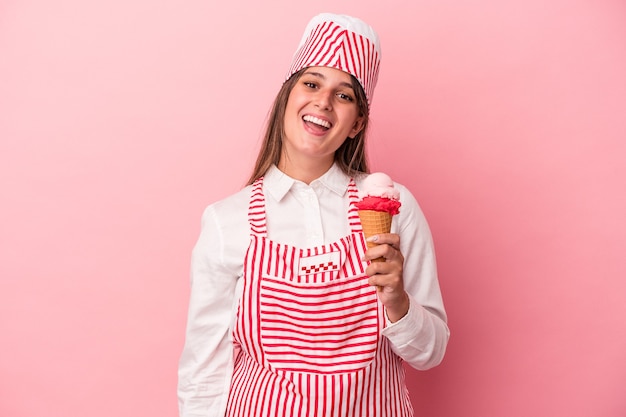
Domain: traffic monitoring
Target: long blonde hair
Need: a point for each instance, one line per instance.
(350, 157)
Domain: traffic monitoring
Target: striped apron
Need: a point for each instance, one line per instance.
(307, 332)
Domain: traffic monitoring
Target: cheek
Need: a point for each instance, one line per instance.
(293, 106)
(352, 118)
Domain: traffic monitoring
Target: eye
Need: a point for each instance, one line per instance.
(345, 96)
(310, 84)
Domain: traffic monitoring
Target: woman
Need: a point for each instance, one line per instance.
(287, 315)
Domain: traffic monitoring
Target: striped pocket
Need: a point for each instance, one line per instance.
(331, 327)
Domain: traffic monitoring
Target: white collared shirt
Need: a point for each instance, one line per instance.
(304, 216)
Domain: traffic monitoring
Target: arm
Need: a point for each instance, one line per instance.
(417, 327)
(205, 366)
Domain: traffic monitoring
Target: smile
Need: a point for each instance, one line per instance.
(312, 119)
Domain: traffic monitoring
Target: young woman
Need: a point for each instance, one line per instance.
(287, 316)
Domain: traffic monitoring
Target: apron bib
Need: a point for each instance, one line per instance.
(307, 332)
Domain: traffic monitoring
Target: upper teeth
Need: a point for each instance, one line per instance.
(317, 121)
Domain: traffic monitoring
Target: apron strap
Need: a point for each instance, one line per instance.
(353, 212)
(256, 210)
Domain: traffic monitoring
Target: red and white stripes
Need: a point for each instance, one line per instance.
(309, 345)
(341, 42)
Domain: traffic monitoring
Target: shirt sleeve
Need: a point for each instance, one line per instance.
(421, 336)
(206, 362)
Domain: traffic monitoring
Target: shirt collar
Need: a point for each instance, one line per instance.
(278, 183)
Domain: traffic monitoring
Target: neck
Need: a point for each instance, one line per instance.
(305, 171)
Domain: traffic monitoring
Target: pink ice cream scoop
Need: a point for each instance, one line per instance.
(379, 194)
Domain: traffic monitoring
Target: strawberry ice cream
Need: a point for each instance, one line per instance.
(379, 201)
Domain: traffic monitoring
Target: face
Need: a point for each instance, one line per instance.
(321, 113)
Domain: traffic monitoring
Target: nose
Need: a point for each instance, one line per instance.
(324, 100)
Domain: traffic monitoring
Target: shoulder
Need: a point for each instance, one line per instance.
(406, 196)
(225, 232)
(410, 208)
(231, 210)
(228, 216)
(237, 201)
(411, 219)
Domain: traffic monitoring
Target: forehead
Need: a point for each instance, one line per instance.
(330, 74)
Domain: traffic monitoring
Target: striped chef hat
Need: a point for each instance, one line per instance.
(343, 42)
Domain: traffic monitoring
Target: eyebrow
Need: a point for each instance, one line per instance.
(320, 75)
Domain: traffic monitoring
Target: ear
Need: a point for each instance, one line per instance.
(357, 127)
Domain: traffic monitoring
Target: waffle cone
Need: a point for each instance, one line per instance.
(373, 223)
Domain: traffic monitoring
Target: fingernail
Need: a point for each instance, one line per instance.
(372, 238)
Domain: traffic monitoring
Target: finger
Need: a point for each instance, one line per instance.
(386, 252)
(391, 239)
(385, 283)
(390, 284)
(374, 281)
(374, 253)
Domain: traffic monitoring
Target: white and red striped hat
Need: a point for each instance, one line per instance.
(342, 42)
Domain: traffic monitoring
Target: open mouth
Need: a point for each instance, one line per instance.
(317, 122)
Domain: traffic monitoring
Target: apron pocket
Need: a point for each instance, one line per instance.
(327, 328)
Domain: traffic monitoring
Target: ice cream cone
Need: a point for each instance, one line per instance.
(373, 223)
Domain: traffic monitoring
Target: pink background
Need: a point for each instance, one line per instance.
(507, 119)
